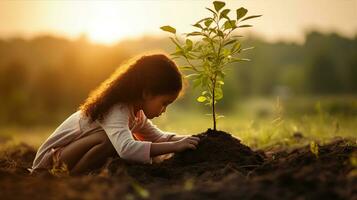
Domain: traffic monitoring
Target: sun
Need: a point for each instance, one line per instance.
(107, 22)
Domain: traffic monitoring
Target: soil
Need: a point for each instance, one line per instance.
(220, 168)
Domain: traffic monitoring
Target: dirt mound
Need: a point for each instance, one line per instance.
(217, 147)
(217, 154)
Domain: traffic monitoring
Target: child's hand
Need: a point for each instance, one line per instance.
(189, 142)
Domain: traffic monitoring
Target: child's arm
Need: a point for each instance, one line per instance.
(188, 142)
(115, 125)
(178, 137)
(149, 132)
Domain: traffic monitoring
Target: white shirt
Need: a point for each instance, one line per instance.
(120, 124)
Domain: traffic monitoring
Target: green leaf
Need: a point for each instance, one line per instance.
(208, 22)
(251, 17)
(226, 52)
(243, 26)
(204, 19)
(246, 49)
(196, 83)
(191, 75)
(189, 42)
(245, 59)
(218, 94)
(204, 92)
(220, 82)
(195, 33)
(185, 67)
(220, 116)
(218, 5)
(238, 60)
(142, 192)
(177, 53)
(168, 29)
(241, 12)
(230, 24)
(224, 13)
(201, 99)
(214, 13)
(229, 42)
(198, 25)
(235, 47)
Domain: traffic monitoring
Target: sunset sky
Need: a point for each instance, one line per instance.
(111, 21)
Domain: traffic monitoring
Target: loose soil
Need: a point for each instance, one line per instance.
(220, 168)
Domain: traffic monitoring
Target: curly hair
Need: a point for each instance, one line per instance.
(155, 74)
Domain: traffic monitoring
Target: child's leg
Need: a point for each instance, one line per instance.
(87, 153)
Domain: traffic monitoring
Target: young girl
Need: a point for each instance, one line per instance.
(114, 120)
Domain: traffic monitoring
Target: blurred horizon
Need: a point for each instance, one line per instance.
(37, 76)
(102, 22)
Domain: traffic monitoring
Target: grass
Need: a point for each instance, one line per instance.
(259, 123)
(266, 123)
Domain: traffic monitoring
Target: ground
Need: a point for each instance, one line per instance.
(221, 168)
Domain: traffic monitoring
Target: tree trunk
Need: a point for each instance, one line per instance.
(213, 104)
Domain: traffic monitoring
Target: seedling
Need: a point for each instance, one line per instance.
(215, 49)
(59, 169)
(314, 148)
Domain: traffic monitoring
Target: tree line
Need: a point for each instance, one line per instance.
(45, 78)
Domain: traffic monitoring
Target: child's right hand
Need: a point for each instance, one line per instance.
(189, 142)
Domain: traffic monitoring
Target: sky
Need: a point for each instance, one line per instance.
(108, 22)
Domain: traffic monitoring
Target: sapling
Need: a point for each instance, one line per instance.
(314, 148)
(212, 52)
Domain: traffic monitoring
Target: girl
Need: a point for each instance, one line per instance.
(115, 120)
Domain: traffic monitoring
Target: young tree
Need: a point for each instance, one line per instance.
(209, 56)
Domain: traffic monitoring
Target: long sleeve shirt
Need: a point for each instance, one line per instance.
(130, 133)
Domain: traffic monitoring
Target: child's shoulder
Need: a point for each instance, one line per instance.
(120, 109)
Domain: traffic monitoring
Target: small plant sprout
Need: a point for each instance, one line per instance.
(59, 169)
(278, 119)
(140, 191)
(353, 161)
(214, 49)
(314, 148)
(189, 184)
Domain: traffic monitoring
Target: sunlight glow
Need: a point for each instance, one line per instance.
(107, 23)
(111, 21)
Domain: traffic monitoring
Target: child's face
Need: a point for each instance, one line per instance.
(154, 106)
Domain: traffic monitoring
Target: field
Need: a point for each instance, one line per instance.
(270, 154)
